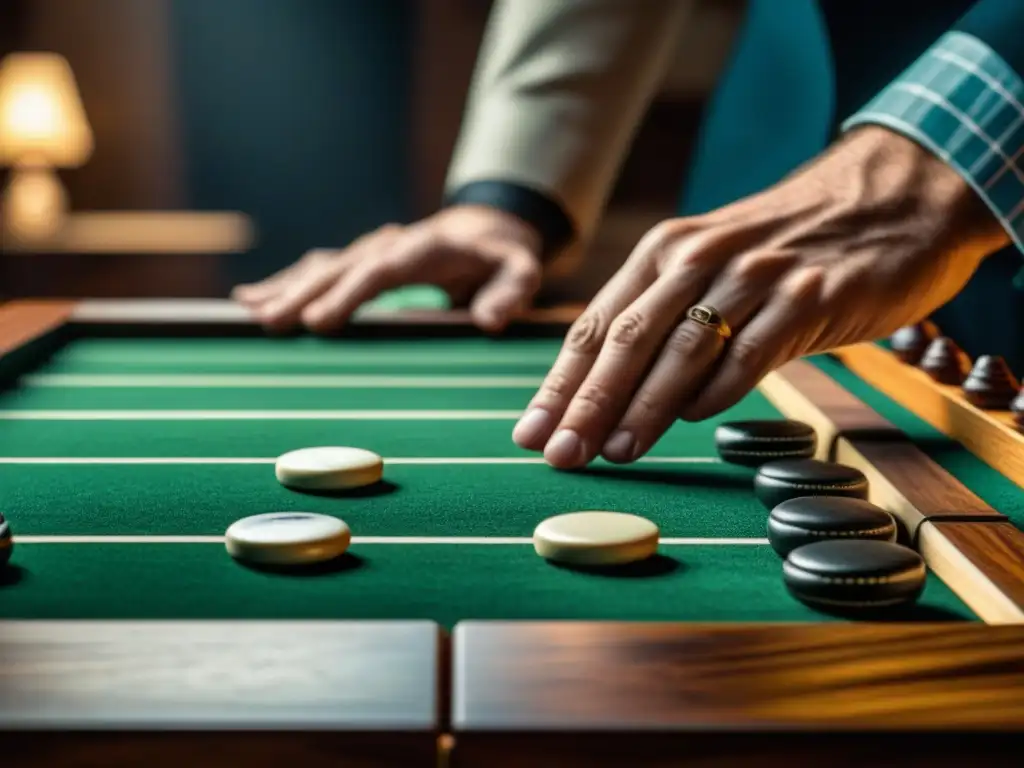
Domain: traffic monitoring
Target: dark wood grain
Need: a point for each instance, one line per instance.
(675, 694)
(368, 691)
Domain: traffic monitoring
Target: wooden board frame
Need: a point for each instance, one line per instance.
(992, 436)
(904, 683)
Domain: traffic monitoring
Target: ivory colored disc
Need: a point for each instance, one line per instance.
(287, 538)
(329, 468)
(596, 538)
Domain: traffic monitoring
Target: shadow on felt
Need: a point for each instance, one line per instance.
(653, 567)
(380, 488)
(342, 564)
(683, 477)
(12, 574)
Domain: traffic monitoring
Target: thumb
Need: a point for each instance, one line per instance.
(510, 290)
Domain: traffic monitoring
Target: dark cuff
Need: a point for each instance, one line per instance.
(547, 216)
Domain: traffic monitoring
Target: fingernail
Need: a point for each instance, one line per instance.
(621, 446)
(532, 428)
(565, 449)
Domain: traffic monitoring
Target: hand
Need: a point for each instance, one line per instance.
(874, 235)
(475, 253)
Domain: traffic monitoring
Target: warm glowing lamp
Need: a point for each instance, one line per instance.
(42, 127)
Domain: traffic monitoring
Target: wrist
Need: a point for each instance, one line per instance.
(538, 210)
(499, 223)
(908, 179)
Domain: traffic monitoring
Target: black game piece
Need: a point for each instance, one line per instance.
(1017, 409)
(752, 443)
(910, 342)
(945, 362)
(779, 481)
(991, 384)
(857, 574)
(6, 542)
(809, 519)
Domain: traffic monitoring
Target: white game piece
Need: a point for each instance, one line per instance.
(329, 468)
(287, 538)
(596, 538)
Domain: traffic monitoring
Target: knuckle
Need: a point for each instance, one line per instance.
(556, 387)
(806, 285)
(759, 266)
(586, 334)
(685, 338)
(595, 398)
(747, 351)
(627, 329)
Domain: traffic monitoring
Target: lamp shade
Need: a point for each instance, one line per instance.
(42, 119)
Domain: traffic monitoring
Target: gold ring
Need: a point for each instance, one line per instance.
(710, 317)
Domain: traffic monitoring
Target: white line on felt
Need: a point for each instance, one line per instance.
(396, 461)
(327, 358)
(356, 540)
(188, 415)
(297, 381)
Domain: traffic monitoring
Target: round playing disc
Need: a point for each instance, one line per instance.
(328, 468)
(809, 519)
(755, 442)
(596, 538)
(287, 538)
(855, 574)
(779, 481)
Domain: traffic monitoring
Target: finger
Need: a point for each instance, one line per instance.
(509, 291)
(780, 332)
(631, 345)
(579, 351)
(688, 357)
(282, 311)
(401, 263)
(266, 289)
(684, 249)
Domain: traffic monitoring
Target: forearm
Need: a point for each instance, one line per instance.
(964, 101)
(558, 93)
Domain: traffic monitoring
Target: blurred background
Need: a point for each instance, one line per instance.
(208, 142)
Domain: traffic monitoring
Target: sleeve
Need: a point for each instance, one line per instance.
(963, 99)
(557, 95)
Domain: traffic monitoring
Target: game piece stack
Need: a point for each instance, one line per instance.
(987, 384)
(839, 550)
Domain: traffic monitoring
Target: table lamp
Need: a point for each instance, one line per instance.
(42, 127)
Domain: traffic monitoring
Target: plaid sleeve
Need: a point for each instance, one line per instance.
(963, 101)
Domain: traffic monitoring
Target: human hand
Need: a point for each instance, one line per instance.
(479, 255)
(874, 235)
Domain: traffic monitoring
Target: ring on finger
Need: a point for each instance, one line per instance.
(708, 316)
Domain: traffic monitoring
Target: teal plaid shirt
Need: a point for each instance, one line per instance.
(963, 102)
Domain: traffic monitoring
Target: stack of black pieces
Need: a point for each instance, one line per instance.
(840, 552)
(987, 383)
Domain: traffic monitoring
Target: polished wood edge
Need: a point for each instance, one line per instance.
(548, 677)
(300, 676)
(22, 322)
(902, 479)
(983, 563)
(226, 312)
(990, 435)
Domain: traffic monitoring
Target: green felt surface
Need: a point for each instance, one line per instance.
(706, 500)
(444, 583)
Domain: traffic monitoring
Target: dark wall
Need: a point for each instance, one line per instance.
(296, 113)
